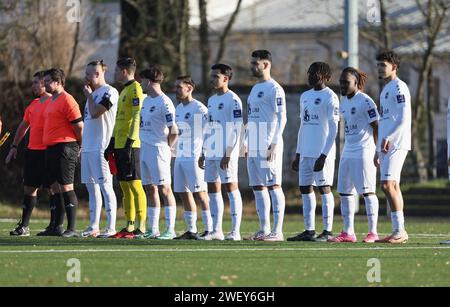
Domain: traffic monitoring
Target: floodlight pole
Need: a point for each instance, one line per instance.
(351, 41)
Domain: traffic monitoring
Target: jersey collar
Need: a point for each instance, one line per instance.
(129, 83)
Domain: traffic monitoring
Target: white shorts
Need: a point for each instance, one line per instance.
(264, 173)
(188, 177)
(213, 172)
(94, 168)
(391, 165)
(359, 174)
(307, 176)
(155, 165)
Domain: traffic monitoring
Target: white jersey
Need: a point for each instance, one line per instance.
(224, 125)
(191, 120)
(266, 101)
(98, 132)
(317, 108)
(395, 117)
(157, 115)
(359, 112)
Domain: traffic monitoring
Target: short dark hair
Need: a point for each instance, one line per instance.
(153, 74)
(224, 70)
(99, 63)
(40, 75)
(127, 63)
(187, 80)
(389, 56)
(361, 77)
(262, 55)
(57, 75)
(322, 69)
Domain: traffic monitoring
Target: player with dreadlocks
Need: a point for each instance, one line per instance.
(356, 168)
(316, 151)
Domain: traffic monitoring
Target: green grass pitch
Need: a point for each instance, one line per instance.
(37, 261)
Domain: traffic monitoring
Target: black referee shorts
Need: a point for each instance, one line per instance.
(61, 161)
(128, 169)
(34, 173)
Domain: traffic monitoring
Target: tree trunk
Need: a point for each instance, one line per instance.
(205, 51)
(226, 31)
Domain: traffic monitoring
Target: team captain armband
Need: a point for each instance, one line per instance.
(106, 101)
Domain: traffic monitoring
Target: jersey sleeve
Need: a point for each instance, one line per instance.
(135, 103)
(371, 111)
(333, 108)
(279, 98)
(72, 110)
(27, 114)
(401, 96)
(168, 111)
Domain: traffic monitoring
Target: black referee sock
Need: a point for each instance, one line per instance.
(59, 209)
(29, 202)
(53, 210)
(71, 203)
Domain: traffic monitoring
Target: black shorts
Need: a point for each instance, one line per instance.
(128, 169)
(61, 161)
(34, 174)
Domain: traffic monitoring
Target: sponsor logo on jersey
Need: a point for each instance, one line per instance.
(309, 117)
(221, 106)
(279, 101)
(237, 113)
(136, 102)
(260, 94)
(187, 116)
(401, 99)
(152, 109)
(372, 113)
(169, 118)
(353, 111)
(318, 101)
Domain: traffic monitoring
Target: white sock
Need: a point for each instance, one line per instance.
(207, 220)
(278, 205)
(372, 207)
(190, 218)
(153, 218)
(95, 205)
(398, 221)
(262, 200)
(110, 204)
(170, 213)
(348, 213)
(236, 210)
(216, 206)
(328, 211)
(309, 211)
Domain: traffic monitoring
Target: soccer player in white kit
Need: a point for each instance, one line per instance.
(158, 134)
(356, 168)
(394, 139)
(316, 151)
(221, 152)
(189, 179)
(99, 119)
(264, 147)
(448, 150)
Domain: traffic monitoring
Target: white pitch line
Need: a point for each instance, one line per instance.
(183, 250)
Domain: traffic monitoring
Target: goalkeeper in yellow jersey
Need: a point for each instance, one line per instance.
(125, 144)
